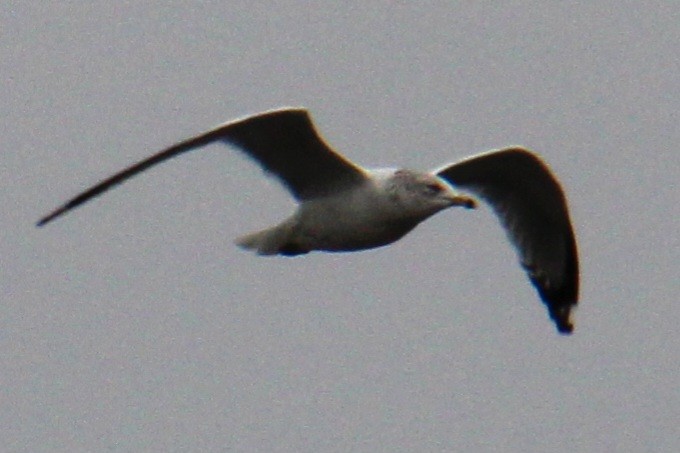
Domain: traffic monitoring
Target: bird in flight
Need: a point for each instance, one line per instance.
(344, 207)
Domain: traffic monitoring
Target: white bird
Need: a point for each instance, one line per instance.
(343, 207)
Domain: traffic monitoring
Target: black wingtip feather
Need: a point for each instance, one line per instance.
(51, 216)
(562, 320)
(561, 300)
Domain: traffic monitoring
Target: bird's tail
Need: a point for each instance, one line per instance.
(271, 241)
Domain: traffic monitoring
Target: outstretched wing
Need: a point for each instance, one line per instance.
(283, 141)
(532, 207)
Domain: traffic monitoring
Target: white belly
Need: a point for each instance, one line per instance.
(354, 221)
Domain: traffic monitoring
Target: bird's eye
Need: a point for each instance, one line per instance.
(433, 188)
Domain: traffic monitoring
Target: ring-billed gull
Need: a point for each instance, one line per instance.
(343, 207)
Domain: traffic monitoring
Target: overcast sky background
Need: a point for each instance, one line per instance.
(134, 323)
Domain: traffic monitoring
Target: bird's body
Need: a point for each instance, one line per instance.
(371, 214)
(343, 207)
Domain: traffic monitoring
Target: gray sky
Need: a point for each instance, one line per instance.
(134, 324)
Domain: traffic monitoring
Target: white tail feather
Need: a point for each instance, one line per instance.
(266, 242)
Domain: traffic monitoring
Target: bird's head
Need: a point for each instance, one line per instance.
(424, 194)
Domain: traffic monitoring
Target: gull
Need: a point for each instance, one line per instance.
(344, 207)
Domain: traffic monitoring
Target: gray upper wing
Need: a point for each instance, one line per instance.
(284, 142)
(532, 207)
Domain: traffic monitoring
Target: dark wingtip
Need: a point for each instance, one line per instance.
(560, 302)
(562, 320)
(559, 308)
(563, 298)
(565, 330)
(51, 216)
